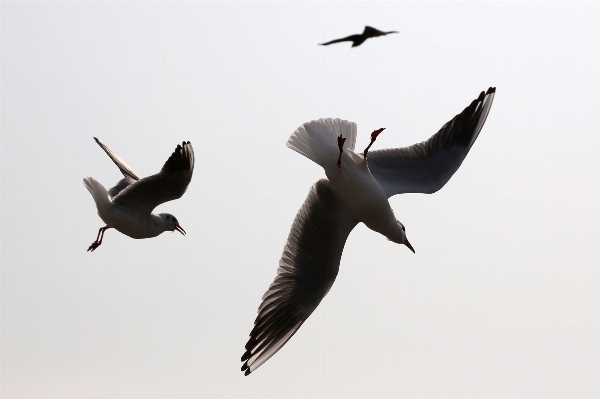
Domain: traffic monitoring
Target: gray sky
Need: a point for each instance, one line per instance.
(500, 300)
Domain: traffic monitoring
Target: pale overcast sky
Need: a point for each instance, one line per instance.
(501, 300)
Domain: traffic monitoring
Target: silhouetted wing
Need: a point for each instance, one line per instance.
(123, 167)
(350, 38)
(372, 32)
(307, 270)
(426, 167)
(128, 172)
(121, 185)
(170, 183)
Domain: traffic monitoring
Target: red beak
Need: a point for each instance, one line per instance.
(180, 229)
(409, 246)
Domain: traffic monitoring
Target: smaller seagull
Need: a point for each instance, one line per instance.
(357, 40)
(134, 198)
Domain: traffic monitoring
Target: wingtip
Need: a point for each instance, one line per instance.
(245, 368)
(245, 356)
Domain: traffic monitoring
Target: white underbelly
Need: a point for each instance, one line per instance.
(364, 197)
(129, 225)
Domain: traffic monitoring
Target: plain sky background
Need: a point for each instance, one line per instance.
(501, 300)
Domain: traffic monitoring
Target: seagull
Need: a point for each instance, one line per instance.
(356, 190)
(132, 200)
(357, 40)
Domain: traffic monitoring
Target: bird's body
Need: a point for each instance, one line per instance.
(357, 40)
(361, 194)
(131, 225)
(133, 198)
(356, 190)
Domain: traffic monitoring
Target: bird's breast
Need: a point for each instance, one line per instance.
(133, 227)
(363, 196)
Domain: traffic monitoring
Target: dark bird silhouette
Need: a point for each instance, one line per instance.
(357, 40)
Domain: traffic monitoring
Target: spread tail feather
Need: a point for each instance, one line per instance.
(99, 194)
(317, 139)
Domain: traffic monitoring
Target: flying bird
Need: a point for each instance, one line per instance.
(357, 40)
(356, 190)
(132, 200)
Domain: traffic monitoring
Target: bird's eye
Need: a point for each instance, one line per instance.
(403, 229)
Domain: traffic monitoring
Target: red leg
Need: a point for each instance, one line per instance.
(373, 137)
(99, 238)
(341, 142)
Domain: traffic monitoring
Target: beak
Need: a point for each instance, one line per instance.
(409, 246)
(180, 229)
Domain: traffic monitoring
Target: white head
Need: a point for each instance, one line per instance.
(400, 236)
(171, 223)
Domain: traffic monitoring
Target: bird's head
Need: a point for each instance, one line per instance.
(400, 236)
(171, 223)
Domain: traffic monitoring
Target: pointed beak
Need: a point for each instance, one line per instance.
(180, 229)
(409, 246)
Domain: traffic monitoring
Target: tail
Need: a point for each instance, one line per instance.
(317, 139)
(99, 194)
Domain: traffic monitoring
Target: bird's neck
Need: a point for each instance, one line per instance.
(158, 224)
(396, 234)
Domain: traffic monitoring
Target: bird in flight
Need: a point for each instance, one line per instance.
(357, 40)
(132, 200)
(356, 190)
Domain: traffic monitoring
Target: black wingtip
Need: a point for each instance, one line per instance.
(246, 368)
(491, 90)
(96, 140)
(245, 356)
(247, 373)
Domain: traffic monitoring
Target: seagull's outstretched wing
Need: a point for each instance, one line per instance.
(125, 169)
(426, 167)
(170, 183)
(350, 38)
(307, 270)
(372, 32)
(130, 176)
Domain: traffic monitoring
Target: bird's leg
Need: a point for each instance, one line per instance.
(373, 138)
(341, 142)
(99, 238)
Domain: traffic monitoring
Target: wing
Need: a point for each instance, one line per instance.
(372, 32)
(123, 167)
(307, 270)
(350, 38)
(170, 183)
(121, 185)
(426, 167)
(129, 174)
